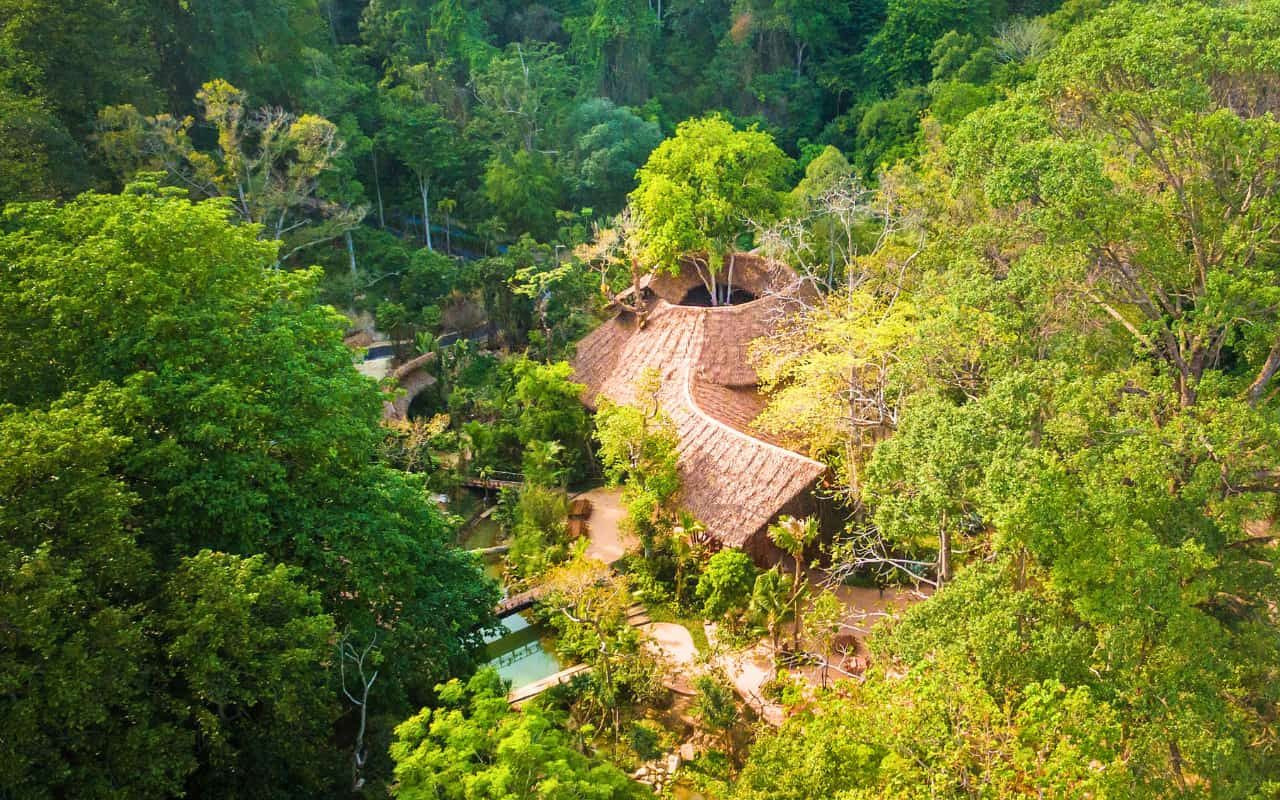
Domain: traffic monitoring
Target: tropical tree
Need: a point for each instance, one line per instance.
(523, 93)
(609, 145)
(264, 450)
(822, 622)
(943, 737)
(834, 366)
(726, 584)
(217, 665)
(794, 536)
(37, 155)
(613, 251)
(1177, 118)
(524, 189)
(771, 604)
(473, 745)
(638, 448)
(700, 190)
(269, 164)
(549, 410)
(424, 139)
(716, 707)
(590, 602)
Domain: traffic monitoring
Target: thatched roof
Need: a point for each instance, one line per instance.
(411, 377)
(733, 481)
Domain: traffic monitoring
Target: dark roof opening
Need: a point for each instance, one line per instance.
(699, 296)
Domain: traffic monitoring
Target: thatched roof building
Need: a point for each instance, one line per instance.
(407, 381)
(734, 480)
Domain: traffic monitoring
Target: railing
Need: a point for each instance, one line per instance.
(506, 659)
(495, 479)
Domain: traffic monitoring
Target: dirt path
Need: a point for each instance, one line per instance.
(864, 606)
(607, 541)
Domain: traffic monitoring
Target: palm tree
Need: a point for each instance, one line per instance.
(771, 604)
(686, 538)
(793, 536)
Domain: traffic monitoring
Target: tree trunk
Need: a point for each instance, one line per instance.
(359, 756)
(377, 185)
(796, 591)
(637, 295)
(944, 554)
(1268, 371)
(607, 669)
(448, 234)
(728, 289)
(424, 187)
(708, 278)
(355, 276)
(1186, 391)
(831, 249)
(1175, 761)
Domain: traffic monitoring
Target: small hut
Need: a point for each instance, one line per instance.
(733, 479)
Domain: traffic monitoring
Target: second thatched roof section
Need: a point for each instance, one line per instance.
(733, 481)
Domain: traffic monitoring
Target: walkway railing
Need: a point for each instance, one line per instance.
(495, 480)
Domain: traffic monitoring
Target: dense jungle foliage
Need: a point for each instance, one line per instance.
(1039, 361)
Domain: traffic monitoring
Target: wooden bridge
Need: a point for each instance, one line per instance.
(495, 480)
(519, 602)
(522, 694)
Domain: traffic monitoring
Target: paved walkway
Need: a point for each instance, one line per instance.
(748, 670)
(673, 643)
(376, 368)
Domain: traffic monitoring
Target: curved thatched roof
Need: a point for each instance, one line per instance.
(407, 382)
(733, 480)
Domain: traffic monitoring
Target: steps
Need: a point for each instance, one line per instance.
(637, 615)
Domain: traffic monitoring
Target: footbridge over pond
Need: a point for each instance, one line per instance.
(520, 602)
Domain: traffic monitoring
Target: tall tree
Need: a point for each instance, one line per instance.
(269, 447)
(1175, 147)
(266, 46)
(612, 44)
(700, 191)
(122, 680)
(523, 94)
(475, 746)
(609, 144)
(269, 163)
(420, 135)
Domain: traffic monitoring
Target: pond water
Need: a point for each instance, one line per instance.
(523, 652)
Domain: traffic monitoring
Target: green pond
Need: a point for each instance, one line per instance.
(523, 652)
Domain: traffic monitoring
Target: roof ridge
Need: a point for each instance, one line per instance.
(687, 397)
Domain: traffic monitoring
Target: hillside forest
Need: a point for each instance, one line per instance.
(1036, 356)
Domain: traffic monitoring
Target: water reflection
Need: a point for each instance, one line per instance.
(523, 653)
